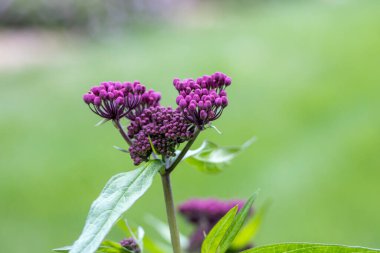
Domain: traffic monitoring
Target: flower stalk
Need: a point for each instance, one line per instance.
(170, 211)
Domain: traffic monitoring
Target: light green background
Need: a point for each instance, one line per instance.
(305, 81)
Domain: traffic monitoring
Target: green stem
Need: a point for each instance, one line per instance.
(170, 211)
(122, 132)
(183, 152)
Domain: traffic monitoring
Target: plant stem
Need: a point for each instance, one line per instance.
(183, 152)
(122, 132)
(170, 211)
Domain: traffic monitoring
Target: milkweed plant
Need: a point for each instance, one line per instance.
(159, 139)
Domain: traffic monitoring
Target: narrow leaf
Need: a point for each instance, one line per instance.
(121, 149)
(309, 248)
(248, 232)
(119, 194)
(63, 249)
(214, 238)
(237, 224)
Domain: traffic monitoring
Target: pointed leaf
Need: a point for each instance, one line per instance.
(119, 194)
(237, 224)
(309, 248)
(248, 232)
(211, 158)
(214, 238)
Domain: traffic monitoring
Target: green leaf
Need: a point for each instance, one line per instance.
(211, 158)
(248, 232)
(237, 224)
(119, 194)
(164, 231)
(309, 248)
(154, 247)
(215, 237)
(111, 247)
(121, 149)
(63, 249)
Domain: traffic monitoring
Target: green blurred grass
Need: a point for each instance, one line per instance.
(305, 82)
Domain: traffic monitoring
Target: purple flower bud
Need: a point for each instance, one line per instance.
(203, 115)
(130, 244)
(88, 98)
(97, 101)
(218, 101)
(182, 103)
(224, 101)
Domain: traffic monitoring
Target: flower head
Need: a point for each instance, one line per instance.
(204, 99)
(114, 100)
(131, 245)
(161, 127)
(210, 210)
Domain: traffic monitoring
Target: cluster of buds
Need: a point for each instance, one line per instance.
(204, 214)
(131, 245)
(199, 102)
(161, 128)
(114, 100)
(204, 99)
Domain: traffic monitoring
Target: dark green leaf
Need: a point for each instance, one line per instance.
(215, 237)
(119, 194)
(237, 224)
(212, 158)
(309, 248)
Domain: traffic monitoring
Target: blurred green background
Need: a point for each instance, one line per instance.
(306, 80)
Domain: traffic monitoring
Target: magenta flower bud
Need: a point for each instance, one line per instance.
(120, 101)
(203, 115)
(192, 107)
(131, 245)
(182, 103)
(88, 98)
(224, 101)
(227, 81)
(218, 102)
(97, 101)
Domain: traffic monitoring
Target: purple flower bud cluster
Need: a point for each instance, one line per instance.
(204, 99)
(210, 210)
(131, 245)
(204, 214)
(162, 127)
(114, 100)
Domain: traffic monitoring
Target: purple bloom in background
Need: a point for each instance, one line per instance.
(131, 245)
(204, 99)
(114, 100)
(204, 214)
(164, 126)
